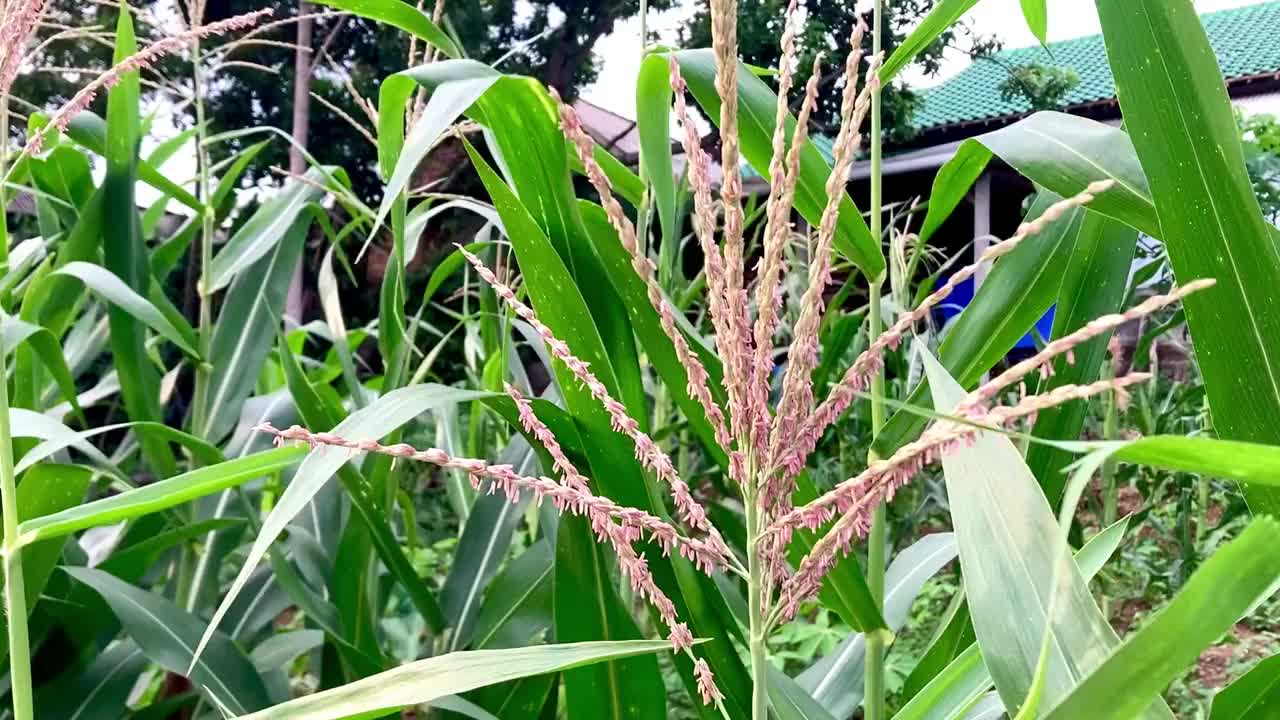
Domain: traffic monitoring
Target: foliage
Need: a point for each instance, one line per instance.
(827, 30)
(712, 422)
(1043, 86)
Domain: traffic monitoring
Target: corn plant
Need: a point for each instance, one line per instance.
(661, 450)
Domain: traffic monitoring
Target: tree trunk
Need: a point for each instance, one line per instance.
(301, 119)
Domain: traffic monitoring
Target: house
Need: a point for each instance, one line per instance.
(970, 104)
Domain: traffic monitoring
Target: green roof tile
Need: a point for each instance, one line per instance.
(1244, 39)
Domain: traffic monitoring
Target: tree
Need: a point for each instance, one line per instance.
(1043, 86)
(828, 27)
(548, 39)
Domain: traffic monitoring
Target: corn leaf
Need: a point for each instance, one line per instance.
(379, 418)
(1176, 106)
(167, 635)
(1093, 285)
(124, 254)
(158, 496)
(1233, 580)
(426, 680)
(403, 16)
(996, 502)
(1254, 695)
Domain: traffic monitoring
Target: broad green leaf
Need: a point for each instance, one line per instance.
(31, 424)
(427, 680)
(1065, 153)
(246, 330)
(482, 549)
(158, 496)
(836, 680)
(316, 413)
(1251, 464)
(952, 184)
(167, 634)
(1036, 13)
(45, 490)
(269, 226)
(105, 682)
(56, 437)
(282, 648)
(403, 16)
(653, 123)
(125, 257)
(757, 110)
(586, 605)
(1093, 285)
(126, 300)
(944, 14)
(648, 328)
(789, 701)
(1016, 293)
(45, 345)
(1232, 581)
(517, 605)
(448, 101)
(996, 502)
(1255, 695)
(1176, 107)
(379, 418)
(954, 691)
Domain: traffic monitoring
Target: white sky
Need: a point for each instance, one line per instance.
(620, 51)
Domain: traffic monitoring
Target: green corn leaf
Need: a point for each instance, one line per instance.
(92, 132)
(45, 490)
(1093, 285)
(1016, 293)
(265, 229)
(757, 110)
(316, 413)
(951, 186)
(423, 681)
(836, 680)
(996, 502)
(586, 606)
(1232, 581)
(1036, 13)
(56, 437)
(1254, 695)
(448, 101)
(517, 605)
(944, 14)
(653, 123)
(105, 682)
(159, 496)
(125, 300)
(952, 692)
(246, 331)
(17, 332)
(1254, 466)
(1185, 134)
(403, 16)
(167, 635)
(125, 256)
(482, 549)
